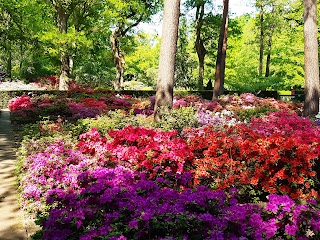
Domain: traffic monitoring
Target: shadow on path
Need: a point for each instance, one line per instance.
(12, 223)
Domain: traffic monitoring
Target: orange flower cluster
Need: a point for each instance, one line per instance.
(240, 156)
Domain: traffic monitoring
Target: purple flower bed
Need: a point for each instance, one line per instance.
(119, 204)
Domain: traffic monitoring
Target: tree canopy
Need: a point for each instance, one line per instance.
(32, 43)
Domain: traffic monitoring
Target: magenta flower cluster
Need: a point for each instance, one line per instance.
(19, 103)
(119, 204)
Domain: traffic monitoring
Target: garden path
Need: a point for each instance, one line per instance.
(13, 224)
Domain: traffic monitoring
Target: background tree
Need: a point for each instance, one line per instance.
(222, 51)
(132, 13)
(64, 9)
(170, 25)
(311, 103)
(142, 61)
(185, 63)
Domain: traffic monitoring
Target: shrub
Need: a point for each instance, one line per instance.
(20, 103)
(136, 208)
(117, 119)
(177, 119)
(51, 166)
(140, 149)
(240, 157)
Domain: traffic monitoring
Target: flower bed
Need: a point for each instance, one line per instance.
(130, 179)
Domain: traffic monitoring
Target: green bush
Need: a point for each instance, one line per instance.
(114, 120)
(247, 114)
(177, 119)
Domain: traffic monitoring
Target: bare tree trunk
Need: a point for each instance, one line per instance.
(261, 40)
(9, 60)
(170, 25)
(222, 53)
(20, 59)
(267, 74)
(311, 59)
(118, 59)
(64, 58)
(201, 51)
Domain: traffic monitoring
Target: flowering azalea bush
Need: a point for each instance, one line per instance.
(240, 156)
(18, 103)
(137, 208)
(87, 108)
(153, 151)
(56, 166)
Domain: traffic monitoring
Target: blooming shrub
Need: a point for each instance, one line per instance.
(20, 103)
(49, 82)
(153, 151)
(240, 157)
(87, 108)
(57, 167)
(136, 208)
(124, 180)
(118, 103)
(216, 119)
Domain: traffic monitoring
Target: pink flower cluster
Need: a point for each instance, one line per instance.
(154, 151)
(19, 103)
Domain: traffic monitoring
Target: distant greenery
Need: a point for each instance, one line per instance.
(30, 44)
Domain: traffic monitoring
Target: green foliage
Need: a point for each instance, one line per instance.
(142, 62)
(114, 120)
(177, 119)
(247, 114)
(286, 68)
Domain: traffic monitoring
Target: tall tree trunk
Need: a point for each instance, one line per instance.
(311, 62)
(118, 59)
(64, 58)
(269, 47)
(267, 74)
(9, 60)
(170, 25)
(261, 17)
(21, 59)
(201, 51)
(222, 53)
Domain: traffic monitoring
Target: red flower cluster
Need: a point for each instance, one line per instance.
(93, 103)
(156, 152)
(240, 156)
(20, 103)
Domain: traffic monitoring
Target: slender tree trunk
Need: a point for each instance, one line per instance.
(261, 40)
(222, 53)
(118, 59)
(64, 58)
(21, 59)
(201, 51)
(311, 59)
(170, 25)
(9, 60)
(267, 74)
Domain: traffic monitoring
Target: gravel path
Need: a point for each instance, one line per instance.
(13, 225)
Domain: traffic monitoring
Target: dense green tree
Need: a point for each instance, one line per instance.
(185, 64)
(123, 22)
(64, 9)
(143, 60)
(20, 25)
